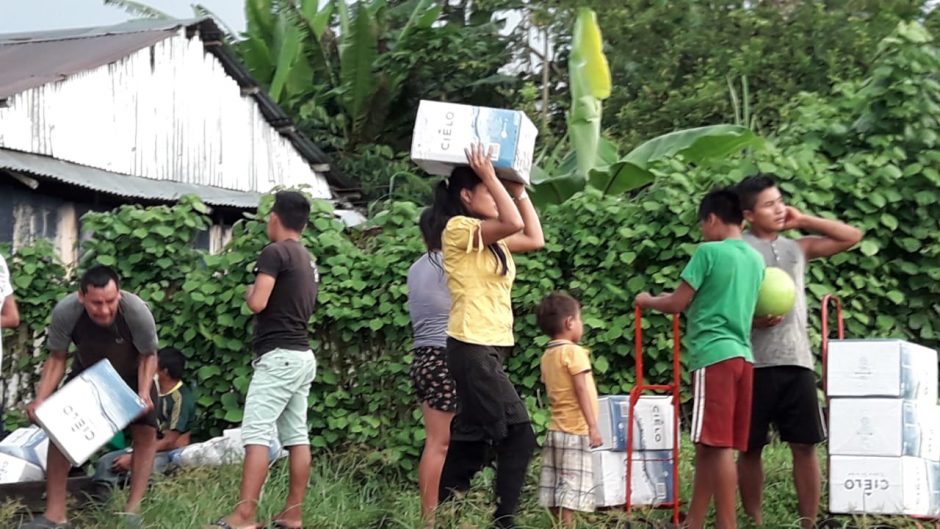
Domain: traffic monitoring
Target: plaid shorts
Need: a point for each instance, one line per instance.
(567, 479)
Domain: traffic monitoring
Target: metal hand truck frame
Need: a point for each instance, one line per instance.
(638, 390)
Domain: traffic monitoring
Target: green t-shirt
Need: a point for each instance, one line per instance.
(726, 277)
(175, 410)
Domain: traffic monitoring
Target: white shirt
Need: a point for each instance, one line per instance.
(6, 282)
(6, 289)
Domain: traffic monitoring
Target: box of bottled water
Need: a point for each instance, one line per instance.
(444, 130)
(87, 412)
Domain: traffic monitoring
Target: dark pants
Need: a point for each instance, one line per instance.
(466, 458)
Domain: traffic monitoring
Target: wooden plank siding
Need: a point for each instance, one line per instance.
(166, 112)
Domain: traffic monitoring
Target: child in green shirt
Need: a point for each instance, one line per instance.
(718, 292)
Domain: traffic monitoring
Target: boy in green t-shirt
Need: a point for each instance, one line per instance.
(718, 292)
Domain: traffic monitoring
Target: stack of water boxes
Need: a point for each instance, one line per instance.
(79, 418)
(884, 438)
(651, 481)
(23, 455)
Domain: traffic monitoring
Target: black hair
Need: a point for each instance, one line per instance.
(447, 204)
(748, 189)
(292, 208)
(431, 229)
(173, 361)
(99, 276)
(554, 310)
(724, 204)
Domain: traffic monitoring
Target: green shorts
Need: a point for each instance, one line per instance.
(277, 397)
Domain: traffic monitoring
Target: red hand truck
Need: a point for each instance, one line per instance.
(641, 388)
(824, 350)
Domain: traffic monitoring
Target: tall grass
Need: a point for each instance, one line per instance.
(348, 492)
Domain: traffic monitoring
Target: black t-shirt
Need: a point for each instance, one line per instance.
(283, 323)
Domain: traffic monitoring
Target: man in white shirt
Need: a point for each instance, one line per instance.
(9, 316)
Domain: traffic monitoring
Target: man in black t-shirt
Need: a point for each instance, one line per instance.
(103, 322)
(283, 298)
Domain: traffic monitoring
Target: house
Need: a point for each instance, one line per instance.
(141, 112)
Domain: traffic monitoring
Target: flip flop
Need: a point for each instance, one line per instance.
(131, 520)
(41, 522)
(222, 524)
(278, 524)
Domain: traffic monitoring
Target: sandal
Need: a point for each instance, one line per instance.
(278, 524)
(222, 524)
(131, 520)
(41, 522)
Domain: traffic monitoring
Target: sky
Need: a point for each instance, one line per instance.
(30, 15)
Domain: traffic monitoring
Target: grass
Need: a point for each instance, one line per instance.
(346, 492)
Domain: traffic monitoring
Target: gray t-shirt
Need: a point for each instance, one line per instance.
(785, 344)
(132, 334)
(428, 301)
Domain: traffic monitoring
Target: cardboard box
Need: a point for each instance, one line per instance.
(884, 485)
(31, 444)
(443, 130)
(16, 470)
(653, 422)
(882, 368)
(651, 479)
(87, 412)
(884, 427)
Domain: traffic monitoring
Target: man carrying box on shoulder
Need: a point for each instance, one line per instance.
(104, 322)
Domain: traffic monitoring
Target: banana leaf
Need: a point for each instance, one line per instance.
(317, 18)
(358, 52)
(696, 145)
(546, 189)
(288, 42)
(589, 77)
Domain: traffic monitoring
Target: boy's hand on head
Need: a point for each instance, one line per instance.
(794, 219)
(596, 439)
(764, 322)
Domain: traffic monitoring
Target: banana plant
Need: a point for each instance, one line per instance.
(294, 48)
(593, 161)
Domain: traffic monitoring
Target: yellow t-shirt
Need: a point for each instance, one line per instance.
(481, 303)
(560, 363)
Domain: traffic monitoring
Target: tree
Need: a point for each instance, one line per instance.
(670, 60)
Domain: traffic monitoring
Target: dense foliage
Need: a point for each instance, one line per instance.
(869, 156)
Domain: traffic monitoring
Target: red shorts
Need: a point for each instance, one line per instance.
(721, 413)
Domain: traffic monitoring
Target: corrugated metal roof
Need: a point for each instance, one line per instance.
(28, 60)
(131, 26)
(122, 185)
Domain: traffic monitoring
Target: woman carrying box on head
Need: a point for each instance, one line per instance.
(484, 224)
